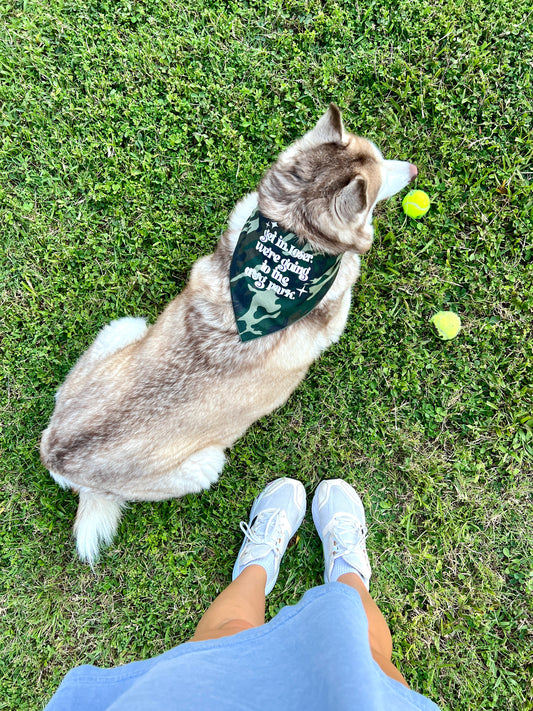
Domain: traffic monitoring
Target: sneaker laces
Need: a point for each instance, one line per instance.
(270, 532)
(347, 537)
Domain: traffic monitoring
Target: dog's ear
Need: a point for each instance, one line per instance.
(329, 128)
(352, 200)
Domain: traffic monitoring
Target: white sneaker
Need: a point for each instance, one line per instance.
(275, 517)
(339, 518)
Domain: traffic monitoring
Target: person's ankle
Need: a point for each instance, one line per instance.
(254, 570)
(354, 580)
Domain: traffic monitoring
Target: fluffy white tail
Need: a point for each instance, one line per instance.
(96, 523)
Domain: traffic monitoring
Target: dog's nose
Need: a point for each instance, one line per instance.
(413, 171)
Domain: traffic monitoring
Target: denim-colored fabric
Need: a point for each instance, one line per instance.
(312, 656)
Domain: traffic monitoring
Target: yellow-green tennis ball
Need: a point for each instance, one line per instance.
(447, 324)
(416, 203)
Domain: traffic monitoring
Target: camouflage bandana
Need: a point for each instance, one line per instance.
(274, 280)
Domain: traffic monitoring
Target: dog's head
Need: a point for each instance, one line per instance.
(325, 186)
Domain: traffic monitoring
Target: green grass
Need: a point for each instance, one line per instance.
(127, 132)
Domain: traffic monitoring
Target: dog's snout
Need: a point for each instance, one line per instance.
(396, 175)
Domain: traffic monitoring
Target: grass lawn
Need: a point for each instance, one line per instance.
(128, 130)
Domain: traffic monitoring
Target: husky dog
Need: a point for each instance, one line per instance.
(147, 411)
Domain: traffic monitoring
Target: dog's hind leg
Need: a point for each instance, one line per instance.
(115, 336)
(63, 483)
(111, 338)
(200, 470)
(193, 475)
(96, 523)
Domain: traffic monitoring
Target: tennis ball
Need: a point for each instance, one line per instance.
(447, 324)
(416, 203)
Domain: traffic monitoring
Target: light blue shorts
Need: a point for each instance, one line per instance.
(313, 655)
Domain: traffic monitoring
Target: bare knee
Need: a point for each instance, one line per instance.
(226, 629)
(234, 626)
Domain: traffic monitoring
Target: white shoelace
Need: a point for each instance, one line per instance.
(347, 538)
(271, 532)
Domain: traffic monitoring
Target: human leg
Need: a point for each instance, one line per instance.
(379, 635)
(339, 518)
(239, 607)
(275, 517)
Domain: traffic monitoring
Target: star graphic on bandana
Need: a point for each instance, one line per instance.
(302, 291)
(273, 224)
